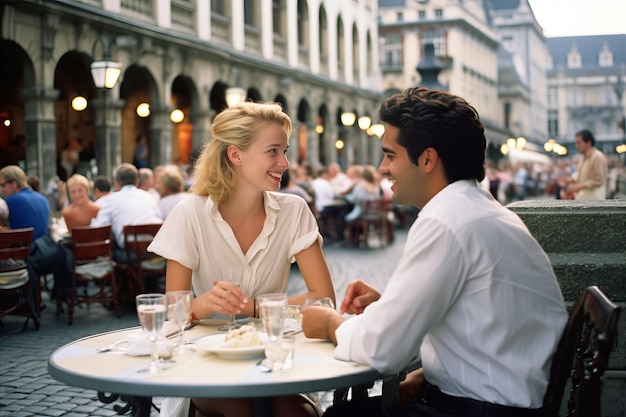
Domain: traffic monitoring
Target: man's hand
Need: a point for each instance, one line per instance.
(320, 322)
(412, 388)
(358, 296)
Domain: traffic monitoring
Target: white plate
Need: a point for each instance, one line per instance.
(214, 344)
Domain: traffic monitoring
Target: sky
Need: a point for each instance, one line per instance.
(580, 17)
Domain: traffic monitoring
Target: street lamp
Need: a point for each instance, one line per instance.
(235, 95)
(105, 72)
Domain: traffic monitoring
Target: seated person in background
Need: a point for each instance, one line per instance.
(171, 188)
(365, 189)
(101, 188)
(128, 205)
(146, 182)
(28, 208)
(324, 193)
(474, 295)
(4, 214)
(82, 209)
(289, 186)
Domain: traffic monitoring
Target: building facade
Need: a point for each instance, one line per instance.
(317, 58)
(586, 82)
(492, 52)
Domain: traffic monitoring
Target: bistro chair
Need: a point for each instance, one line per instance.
(143, 266)
(582, 356)
(18, 283)
(373, 220)
(91, 249)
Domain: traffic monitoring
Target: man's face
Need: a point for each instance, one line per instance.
(8, 188)
(581, 145)
(405, 177)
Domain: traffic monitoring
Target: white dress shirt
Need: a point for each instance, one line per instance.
(324, 193)
(167, 203)
(475, 295)
(128, 206)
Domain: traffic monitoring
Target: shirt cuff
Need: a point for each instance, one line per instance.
(344, 333)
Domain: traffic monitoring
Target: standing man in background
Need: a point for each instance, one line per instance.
(590, 182)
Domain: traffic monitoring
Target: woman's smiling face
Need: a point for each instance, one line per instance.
(263, 163)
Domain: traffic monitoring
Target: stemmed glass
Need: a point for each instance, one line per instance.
(152, 310)
(178, 311)
(231, 275)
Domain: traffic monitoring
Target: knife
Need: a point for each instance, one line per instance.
(188, 326)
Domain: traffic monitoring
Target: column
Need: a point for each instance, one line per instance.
(237, 22)
(160, 135)
(330, 136)
(267, 29)
(108, 128)
(40, 121)
(312, 143)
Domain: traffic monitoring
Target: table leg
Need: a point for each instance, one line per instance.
(138, 406)
(262, 407)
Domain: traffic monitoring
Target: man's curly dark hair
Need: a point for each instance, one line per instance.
(437, 119)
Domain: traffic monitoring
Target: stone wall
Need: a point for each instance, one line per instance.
(586, 243)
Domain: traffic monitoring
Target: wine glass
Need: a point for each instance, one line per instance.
(231, 275)
(178, 311)
(152, 310)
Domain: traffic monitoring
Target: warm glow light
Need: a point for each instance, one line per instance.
(105, 73)
(364, 122)
(143, 110)
(339, 144)
(79, 103)
(620, 148)
(510, 143)
(177, 116)
(377, 129)
(521, 143)
(549, 145)
(504, 149)
(235, 95)
(7, 123)
(319, 129)
(348, 118)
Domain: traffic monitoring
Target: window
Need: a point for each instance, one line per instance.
(507, 42)
(391, 51)
(249, 12)
(277, 17)
(507, 115)
(421, 14)
(552, 98)
(218, 7)
(399, 16)
(605, 58)
(553, 123)
(438, 39)
(438, 13)
(574, 59)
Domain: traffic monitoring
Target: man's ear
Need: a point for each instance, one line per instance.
(429, 159)
(234, 154)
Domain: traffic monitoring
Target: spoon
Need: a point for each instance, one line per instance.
(111, 346)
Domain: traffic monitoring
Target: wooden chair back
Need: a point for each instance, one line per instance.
(18, 284)
(142, 263)
(582, 355)
(92, 262)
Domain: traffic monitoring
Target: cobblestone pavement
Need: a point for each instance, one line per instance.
(26, 389)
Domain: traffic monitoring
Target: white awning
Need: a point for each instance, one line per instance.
(522, 155)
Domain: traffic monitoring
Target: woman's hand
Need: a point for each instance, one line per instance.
(358, 296)
(224, 297)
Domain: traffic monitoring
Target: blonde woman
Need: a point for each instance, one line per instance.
(235, 216)
(82, 209)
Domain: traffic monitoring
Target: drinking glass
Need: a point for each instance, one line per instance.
(271, 308)
(178, 311)
(325, 302)
(152, 310)
(280, 353)
(233, 276)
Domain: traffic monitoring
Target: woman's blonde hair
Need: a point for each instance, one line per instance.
(214, 174)
(78, 179)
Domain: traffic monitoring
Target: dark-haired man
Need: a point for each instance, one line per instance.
(474, 295)
(590, 182)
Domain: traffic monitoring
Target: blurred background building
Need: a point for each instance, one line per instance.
(180, 62)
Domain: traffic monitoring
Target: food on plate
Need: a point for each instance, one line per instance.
(245, 336)
(293, 311)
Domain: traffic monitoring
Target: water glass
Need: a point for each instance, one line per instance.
(178, 312)
(280, 353)
(152, 311)
(271, 308)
